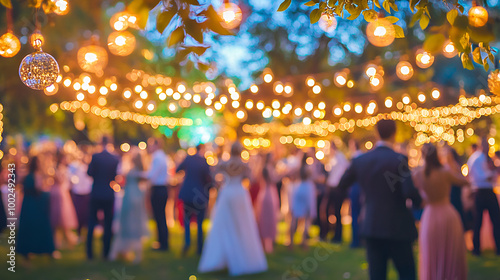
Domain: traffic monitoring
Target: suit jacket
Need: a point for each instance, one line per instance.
(197, 180)
(385, 179)
(103, 169)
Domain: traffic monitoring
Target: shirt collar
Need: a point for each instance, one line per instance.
(382, 143)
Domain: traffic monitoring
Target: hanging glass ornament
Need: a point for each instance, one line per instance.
(38, 70)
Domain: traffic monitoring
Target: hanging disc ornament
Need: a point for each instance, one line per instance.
(38, 70)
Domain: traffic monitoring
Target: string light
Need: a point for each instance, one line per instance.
(478, 16)
(449, 49)
(380, 32)
(404, 70)
(230, 15)
(435, 94)
(121, 43)
(327, 23)
(340, 79)
(388, 102)
(424, 59)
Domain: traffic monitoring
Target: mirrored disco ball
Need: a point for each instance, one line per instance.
(38, 70)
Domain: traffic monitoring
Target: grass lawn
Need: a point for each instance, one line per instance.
(322, 261)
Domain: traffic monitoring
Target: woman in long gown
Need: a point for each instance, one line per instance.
(233, 242)
(62, 211)
(442, 253)
(268, 206)
(303, 205)
(132, 217)
(35, 231)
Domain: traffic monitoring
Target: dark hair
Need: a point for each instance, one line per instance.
(265, 172)
(105, 140)
(386, 128)
(33, 166)
(456, 156)
(236, 149)
(430, 154)
(304, 172)
(199, 147)
(474, 146)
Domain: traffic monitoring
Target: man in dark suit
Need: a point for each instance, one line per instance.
(102, 169)
(388, 225)
(194, 193)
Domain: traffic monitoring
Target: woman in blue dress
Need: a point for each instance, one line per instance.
(132, 217)
(35, 232)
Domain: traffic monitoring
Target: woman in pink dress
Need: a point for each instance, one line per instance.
(62, 211)
(267, 206)
(442, 252)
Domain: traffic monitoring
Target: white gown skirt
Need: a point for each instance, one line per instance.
(233, 241)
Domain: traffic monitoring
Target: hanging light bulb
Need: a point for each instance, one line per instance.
(9, 45)
(376, 82)
(424, 59)
(37, 36)
(327, 23)
(449, 49)
(478, 16)
(61, 7)
(121, 43)
(230, 15)
(380, 32)
(119, 21)
(404, 70)
(371, 70)
(92, 58)
(340, 79)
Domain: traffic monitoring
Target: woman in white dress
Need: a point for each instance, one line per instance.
(233, 242)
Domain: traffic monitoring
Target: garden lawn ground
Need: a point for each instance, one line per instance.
(321, 262)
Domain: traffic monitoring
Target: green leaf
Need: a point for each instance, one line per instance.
(203, 67)
(476, 56)
(199, 50)
(163, 20)
(413, 3)
(284, 5)
(6, 3)
(354, 14)
(424, 22)
(315, 16)
(451, 16)
(331, 3)
(177, 36)
(434, 43)
(193, 29)
(486, 65)
(370, 15)
(393, 5)
(192, 2)
(387, 6)
(398, 31)
(311, 3)
(416, 17)
(213, 22)
(466, 61)
(392, 19)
